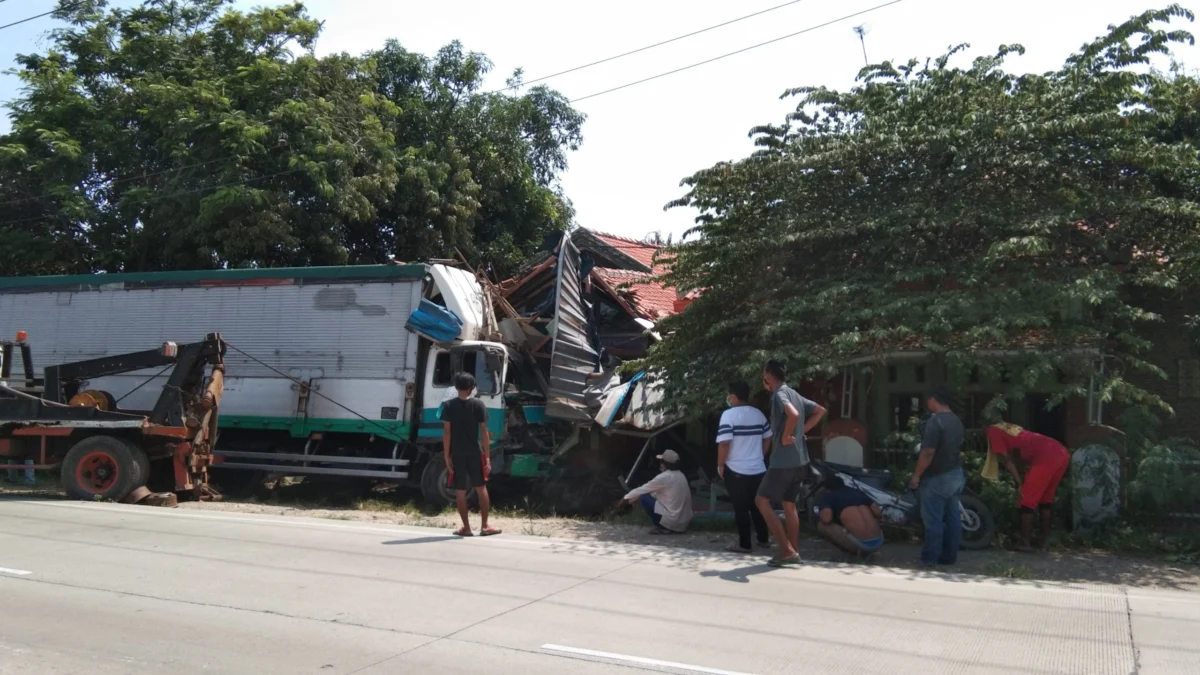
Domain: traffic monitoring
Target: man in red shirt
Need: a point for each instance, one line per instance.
(1047, 459)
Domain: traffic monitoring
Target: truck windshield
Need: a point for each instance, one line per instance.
(448, 364)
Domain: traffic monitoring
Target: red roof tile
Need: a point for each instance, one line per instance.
(650, 298)
(638, 250)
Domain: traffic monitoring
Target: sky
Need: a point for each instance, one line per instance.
(640, 142)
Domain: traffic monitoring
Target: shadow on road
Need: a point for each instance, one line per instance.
(740, 575)
(421, 540)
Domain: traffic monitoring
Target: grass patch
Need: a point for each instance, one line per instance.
(1137, 540)
(1004, 570)
(388, 506)
(43, 482)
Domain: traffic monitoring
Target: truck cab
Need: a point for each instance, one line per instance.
(487, 361)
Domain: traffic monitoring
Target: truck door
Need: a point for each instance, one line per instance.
(486, 361)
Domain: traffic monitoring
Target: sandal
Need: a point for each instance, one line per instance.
(463, 532)
(659, 529)
(736, 548)
(793, 561)
(488, 532)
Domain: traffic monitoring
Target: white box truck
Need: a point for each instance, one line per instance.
(323, 377)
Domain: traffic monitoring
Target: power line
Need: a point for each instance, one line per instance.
(647, 47)
(387, 433)
(53, 11)
(740, 51)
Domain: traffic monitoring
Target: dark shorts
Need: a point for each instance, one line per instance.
(783, 485)
(468, 471)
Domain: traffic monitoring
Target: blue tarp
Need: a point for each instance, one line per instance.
(434, 322)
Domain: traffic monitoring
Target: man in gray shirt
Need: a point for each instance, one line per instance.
(940, 479)
(792, 417)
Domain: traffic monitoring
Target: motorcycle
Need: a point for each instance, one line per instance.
(902, 509)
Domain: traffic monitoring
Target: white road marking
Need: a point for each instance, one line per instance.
(9, 570)
(637, 659)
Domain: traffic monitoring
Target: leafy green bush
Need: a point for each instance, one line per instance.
(1163, 484)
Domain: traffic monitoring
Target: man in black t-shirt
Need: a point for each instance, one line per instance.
(939, 479)
(464, 426)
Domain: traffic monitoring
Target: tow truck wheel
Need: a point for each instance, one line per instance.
(100, 468)
(142, 462)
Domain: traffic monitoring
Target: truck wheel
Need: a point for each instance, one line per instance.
(100, 468)
(142, 464)
(434, 489)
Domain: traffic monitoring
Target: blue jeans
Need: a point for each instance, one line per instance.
(14, 474)
(648, 503)
(940, 509)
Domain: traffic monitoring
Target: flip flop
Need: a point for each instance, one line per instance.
(463, 532)
(734, 548)
(488, 532)
(662, 530)
(793, 561)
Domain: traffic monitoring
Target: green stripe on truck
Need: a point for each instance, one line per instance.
(232, 276)
(303, 428)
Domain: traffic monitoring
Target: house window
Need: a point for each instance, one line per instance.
(1189, 378)
(904, 407)
(973, 415)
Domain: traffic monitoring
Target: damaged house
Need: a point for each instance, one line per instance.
(587, 306)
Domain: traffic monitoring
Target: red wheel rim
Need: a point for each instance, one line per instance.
(97, 472)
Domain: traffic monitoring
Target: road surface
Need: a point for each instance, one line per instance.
(105, 589)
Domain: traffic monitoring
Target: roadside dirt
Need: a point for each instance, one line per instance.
(714, 535)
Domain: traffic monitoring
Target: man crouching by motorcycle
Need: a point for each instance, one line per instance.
(1048, 461)
(848, 518)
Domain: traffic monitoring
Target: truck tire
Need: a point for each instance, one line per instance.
(100, 468)
(141, 462)
(434, 490)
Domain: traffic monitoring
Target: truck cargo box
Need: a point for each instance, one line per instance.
(339, 330)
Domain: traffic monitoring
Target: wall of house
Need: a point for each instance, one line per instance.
(893, 393)
(1175, 351)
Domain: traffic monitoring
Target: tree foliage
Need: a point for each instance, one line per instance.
(181, 134)
(479, 172)
(995, 220)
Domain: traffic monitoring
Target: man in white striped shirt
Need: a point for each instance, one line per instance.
(743, 439)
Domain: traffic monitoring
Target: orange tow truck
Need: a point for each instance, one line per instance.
(104, 452)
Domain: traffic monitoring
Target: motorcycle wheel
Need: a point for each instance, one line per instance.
(979, 527)
(808, 504)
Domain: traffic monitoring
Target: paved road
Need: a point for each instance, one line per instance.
(100, 589)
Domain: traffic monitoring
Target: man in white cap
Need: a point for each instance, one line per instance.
(667, 498)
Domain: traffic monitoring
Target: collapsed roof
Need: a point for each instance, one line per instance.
(589, 304)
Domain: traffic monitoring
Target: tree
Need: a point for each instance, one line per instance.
(995, 220)
(180, 134)
(479, 172)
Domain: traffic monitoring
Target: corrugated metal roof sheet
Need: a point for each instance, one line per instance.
(573, 358)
